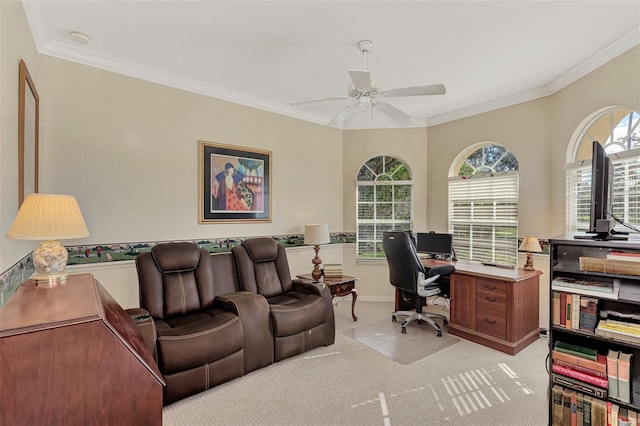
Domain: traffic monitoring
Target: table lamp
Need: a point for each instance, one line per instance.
(49, 217)
(530, 245)
(314, 235)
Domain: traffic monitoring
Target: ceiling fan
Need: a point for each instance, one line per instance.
(365, 94)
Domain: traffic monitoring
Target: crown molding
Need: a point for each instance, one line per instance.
(85, 57)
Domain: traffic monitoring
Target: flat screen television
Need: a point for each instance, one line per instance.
(601, 197)
(438, 245)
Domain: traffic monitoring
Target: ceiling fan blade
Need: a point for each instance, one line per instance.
(392, 111)
(316, 100)
(342, 115)
(361, 79)
(433, 89)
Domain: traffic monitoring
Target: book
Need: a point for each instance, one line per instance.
(580, 369)
(621, 255)
(563, 309)
(588, 313)
(579, 409)
(586, 408)
(612, 372)
(566, 407)
(611, 296)
(613, 410)
(583, 377)
(577, 350)
(575, 311)
(573, 283)
(583, 387)
(567, 307)
(556, 400)
(598, 412)
(633, 418)
(600, 364)
(604, 330)
(556, 308)
(623, 417)
(573, 420)
(624, 373)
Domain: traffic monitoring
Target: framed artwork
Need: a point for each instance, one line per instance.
(235, 184)
(28, 124)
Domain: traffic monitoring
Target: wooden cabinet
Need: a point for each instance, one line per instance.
(70, 355)
(588, 263)
(495, 307)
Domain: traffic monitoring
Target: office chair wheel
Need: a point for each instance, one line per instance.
(404, 330)
(439, 333)
(419, 321)
(393, 318)
(445, 323)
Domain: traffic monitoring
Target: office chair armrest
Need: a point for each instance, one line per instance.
(428, 281)
(428, 287)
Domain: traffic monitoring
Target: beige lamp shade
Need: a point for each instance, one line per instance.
(316, 234)
(531, 244)
(48, 217)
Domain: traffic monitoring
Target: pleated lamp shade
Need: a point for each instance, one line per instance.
(49, 217)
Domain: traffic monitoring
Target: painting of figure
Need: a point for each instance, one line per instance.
(235, 182)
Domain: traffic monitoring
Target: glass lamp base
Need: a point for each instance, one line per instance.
(49, 260)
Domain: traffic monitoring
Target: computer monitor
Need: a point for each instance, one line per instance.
(435, 244)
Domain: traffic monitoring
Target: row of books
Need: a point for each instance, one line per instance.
(575, 311)
(593, 373)
(620, 330)
(575, 408)
(332, 270)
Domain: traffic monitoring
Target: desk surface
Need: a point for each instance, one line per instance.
(479, 270)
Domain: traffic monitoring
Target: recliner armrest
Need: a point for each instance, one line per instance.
(254, 313)
(147, 327)
(320, 289)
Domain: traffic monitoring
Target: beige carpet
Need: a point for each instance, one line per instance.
(386, 337)
(348, 383)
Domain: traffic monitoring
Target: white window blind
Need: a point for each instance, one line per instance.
(626, 192)
(483, 217)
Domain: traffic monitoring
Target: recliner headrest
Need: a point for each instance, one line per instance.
(261, 249)
(176, 257)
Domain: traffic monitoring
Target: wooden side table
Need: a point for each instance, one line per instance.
(339, 287)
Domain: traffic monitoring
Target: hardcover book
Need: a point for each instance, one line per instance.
(592, 380)
(600, 364)
(624, 372)
(576, 350)
(612, 372)
(588, 313)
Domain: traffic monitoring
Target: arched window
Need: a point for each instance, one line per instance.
(483, 204)
(618, 130)
(385, 201)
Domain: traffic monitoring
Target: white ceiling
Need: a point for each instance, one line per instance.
(265, 54)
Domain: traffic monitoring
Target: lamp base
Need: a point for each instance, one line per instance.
(50, 260)
(528, 265)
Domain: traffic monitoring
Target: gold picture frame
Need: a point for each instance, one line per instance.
(234, 184)
(28, 130)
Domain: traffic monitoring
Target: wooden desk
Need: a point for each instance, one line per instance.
(493, 306)
(72, 356)
(339, 287)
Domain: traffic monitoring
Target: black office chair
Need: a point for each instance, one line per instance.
(407, 273)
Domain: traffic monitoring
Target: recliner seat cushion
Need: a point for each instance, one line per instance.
(295, 313)
(197, 339)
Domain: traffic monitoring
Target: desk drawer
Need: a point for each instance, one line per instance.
(491, 299)
(498, 287)
(492, 320)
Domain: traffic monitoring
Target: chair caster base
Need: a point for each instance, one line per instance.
(393, 318)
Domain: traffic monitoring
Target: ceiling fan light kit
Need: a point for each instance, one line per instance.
(365, 93)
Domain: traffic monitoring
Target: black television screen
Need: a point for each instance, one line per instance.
(436, 244)
(601, 194)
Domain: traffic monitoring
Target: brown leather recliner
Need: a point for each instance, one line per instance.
(200, 329)
(301, 311)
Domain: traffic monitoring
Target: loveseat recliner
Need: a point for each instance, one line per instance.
(201, 330)
(301, 312)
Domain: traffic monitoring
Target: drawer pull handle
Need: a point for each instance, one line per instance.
(490, 288)
(490, 321)
(491, 299)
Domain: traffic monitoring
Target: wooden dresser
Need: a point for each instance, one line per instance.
(70, 355)
(493, 306)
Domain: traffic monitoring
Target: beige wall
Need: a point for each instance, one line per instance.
(127, 149)
(15, 43)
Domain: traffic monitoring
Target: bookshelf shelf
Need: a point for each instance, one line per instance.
(611, 326)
